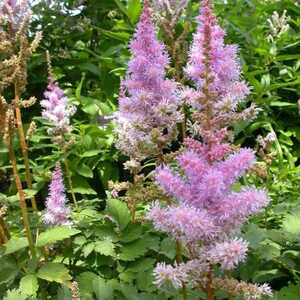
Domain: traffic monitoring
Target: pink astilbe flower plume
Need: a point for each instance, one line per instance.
(56, 210)
(215, 69)
(148, 101)
(208, 187)
(209, 214)
(56, 109)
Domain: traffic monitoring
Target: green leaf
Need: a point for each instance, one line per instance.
(268, 275)
(134, 10)
(142, 264)
(168, 248)
(9, 270)
(81, 186)
(29, 285)
(145, 281)
(85, 282)
(283, 104)
(121, 7)
(292, 224)
(64, 293)
(15, 295)
(119, 211)
(88, 249)
(287, 57)
(55, 234)
(54, 272)
(15, 244)
(90, 153)
(254, 235)
(84, 170)
(122, 36)
(105, 247)
(269, 251)
(131, 233)
(79, 87)
(134, 250)
(102, 290)
(291, 292)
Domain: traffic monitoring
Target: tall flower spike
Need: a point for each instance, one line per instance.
(56, 210)
(56, 109)
(148, 102)
(216, 65)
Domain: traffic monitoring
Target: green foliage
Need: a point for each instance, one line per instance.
(54, 272)
(15, 244)
(15, 294)
(119, 211)
(291, 292)
(55, 234)
(29, 285)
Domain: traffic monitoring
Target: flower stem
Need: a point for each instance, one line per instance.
(209, 289)
(3, 236)
(179, 261)
(229, 276)
(21, 193)
(24, 146)
(5, 228)
(68, 174)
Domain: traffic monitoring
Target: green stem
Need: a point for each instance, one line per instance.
(68, 174)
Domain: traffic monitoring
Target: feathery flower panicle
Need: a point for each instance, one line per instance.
(148, 101)
(56, 110)
(164, 273)
(229, 253)
(248, 290)
(208, 186)
(56, 210)
(184, 223)
(215, 69)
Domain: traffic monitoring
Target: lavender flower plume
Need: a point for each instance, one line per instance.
(208, 187)
(56, 109)
(183, 223)
(148, 101)
(56, 210)
(222, 78)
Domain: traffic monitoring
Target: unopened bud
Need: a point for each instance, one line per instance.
(75, 291)
(31, 130)
(27, 103)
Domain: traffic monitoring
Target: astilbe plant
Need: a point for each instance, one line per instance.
(207, 213)
(148, 103)
(56, 210)
(58, 111)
